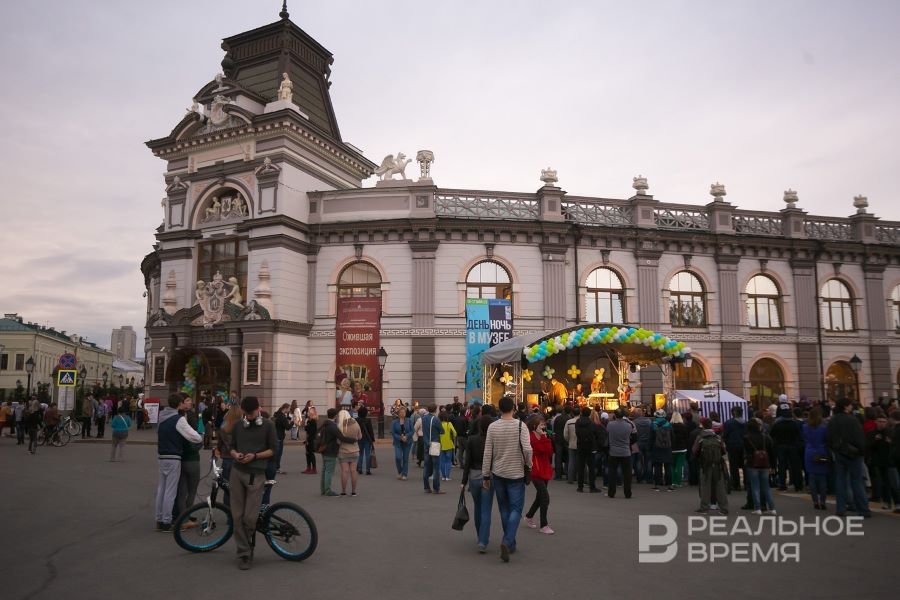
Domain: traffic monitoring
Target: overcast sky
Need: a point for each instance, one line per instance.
(760, 96)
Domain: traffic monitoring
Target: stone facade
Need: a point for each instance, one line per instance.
(304, 217)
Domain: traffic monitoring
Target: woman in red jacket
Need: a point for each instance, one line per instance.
(541, 472)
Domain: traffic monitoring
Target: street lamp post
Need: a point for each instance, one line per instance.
(382, 360)
(29, 368)
(856, 364)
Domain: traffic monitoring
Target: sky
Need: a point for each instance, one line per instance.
(761, 96)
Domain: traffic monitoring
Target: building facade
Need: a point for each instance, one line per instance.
(123, 342)
(267, 230)
(21, 340)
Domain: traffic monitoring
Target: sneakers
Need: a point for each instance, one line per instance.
(546, 529)
(244, 563)
(482, 549)
(770, 512)
(671, 488)
(329, 493)
(530, 522)
(756, 512)
(504, 553)
(352, 493)
(165, 527)
(403, 478)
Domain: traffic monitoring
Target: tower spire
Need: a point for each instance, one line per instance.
(284, 11)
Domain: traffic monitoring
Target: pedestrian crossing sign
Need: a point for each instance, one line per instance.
(66, 377)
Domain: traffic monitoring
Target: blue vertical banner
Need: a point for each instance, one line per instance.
(488, 322)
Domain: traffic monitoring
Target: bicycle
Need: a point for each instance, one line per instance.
(205, 526)
(72, 426)
(53, 436)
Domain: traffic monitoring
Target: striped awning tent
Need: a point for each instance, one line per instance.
(722, 404)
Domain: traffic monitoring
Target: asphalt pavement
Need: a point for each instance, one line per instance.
(78, 526)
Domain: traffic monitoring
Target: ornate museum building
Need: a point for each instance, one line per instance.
(276, 273)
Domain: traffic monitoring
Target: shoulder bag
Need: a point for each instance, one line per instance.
(434, 448)
(462, 513)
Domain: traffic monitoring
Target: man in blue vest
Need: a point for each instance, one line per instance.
(172, 431)
(431, 433)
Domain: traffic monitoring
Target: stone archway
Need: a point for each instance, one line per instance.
(766, 383)
(212, 370)
(841, 382)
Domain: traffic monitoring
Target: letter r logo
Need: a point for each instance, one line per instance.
(647, 539)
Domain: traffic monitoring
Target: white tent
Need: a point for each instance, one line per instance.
(722, 403)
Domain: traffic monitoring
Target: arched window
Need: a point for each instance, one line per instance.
(489, 279)
(895, 308)
(690, 378)
(763, 303)
(686, 301)
(605, 297)
(837, 306)
(766, 383)
(359, 280)
(840, 381)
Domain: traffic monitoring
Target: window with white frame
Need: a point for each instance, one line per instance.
(604, 299)
(837, 306)
(763, 303)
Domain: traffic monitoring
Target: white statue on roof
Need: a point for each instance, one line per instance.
(286, 89)
(391, 165)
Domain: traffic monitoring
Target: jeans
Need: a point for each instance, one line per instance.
(600, 461)
(614, 463)
(571, 465)
(849, 472)
(20, 433)
(401, 457)
(271, 472)
(511, 502)
(735, 463)
(541, 501)
(662, 474)
(461, 450)
(364, 462)
(432, 468)
(328, 463)
(585, 458)
(560, 452)
(226, 475)
(894, 482)
(446, 463)
(818, 487)
(759, 487)
(482, 504)
(678, 468)
(643, 470)
(167, 488)
(279, 451)
(789, 459)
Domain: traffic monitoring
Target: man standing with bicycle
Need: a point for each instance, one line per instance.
(253, 444)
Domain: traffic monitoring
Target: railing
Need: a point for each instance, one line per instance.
(757, 224)
(681, 218)
(889, 234)
(466, 206)
(597, 213)
(827, 229)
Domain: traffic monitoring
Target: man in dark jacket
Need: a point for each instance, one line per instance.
(733, 434)
(586, 438)
(560, 447)
(845, 439)
(642, 467)
(787, 433)
(458, 420)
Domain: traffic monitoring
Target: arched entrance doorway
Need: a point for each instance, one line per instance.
(766, 383)
(209, 368)
(840, 381)
(690, 378)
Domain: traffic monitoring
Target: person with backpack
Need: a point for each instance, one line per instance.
(560, 446)
(586, 446)
(709, 451)
(733, 433)
(121, 424)
(759, 451)
(661, 452)
(844, 437)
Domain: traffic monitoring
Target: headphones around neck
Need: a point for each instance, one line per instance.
(258, 421)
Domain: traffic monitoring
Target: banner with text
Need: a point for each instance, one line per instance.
(357, 376)
(488, 322)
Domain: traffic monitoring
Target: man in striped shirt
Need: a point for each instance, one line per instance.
(507, 452)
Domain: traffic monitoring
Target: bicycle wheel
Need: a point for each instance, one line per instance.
(41, 436)
(62, 438)
(73, 427)
(290, 531)
(201, 528)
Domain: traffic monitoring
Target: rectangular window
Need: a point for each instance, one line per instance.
(159, 370)
(20, 362)
(252, 367)
(228, 257)
(4, 362)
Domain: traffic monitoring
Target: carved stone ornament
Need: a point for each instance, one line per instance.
(790, 198)
(254, 312)
(861, 203)
(640, 185)
(548, 176)
(286, 89)
(158, 318)
(217, 114)
(225, 206)
(212, 297)
(425, 158)
(391, 166)
(267, 168)
(177, 186)
(717, 191)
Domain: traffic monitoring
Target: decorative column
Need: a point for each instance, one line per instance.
(720, 212)
(863, 223)
(879, 347)
(423, 260)
(809, 364)
(647, 256)
(642, 205)
(730, 316)
(792, 217)
(553, 283)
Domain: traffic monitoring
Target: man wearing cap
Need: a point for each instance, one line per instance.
(253, 444)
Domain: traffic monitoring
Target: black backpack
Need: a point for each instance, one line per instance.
(710, 452)
(663, 438)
